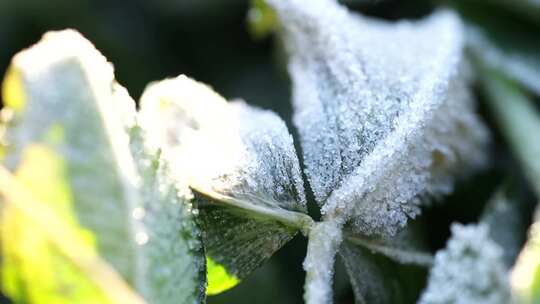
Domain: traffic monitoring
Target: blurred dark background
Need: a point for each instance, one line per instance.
(211, 41)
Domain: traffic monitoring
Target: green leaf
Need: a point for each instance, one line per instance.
(503, 43)
(69, 145)
(168, 234)
(522, 9)
(262, 19)
(377, 279)
(387, 270)
(519, 122)
(517, 119)
(508, 216)
(241, 164)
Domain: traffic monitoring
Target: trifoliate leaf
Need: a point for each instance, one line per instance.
(383, 110)
(241, 163)
(470, 270)
(70, 115)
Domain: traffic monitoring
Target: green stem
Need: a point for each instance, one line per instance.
(324, 241)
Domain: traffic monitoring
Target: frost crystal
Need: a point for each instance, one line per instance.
(241, 162)
(470, 270)
(325, 238)
(383, 110)
(228, 149)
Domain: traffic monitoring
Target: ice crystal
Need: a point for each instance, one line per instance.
(469, 270)
(231, 149)
(241, 162)
(383, 110)
(326, 237)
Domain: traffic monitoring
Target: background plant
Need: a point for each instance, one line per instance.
(270, 208)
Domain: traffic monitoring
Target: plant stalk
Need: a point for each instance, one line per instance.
(324, 240)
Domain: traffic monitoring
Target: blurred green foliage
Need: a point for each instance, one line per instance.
(210, 41)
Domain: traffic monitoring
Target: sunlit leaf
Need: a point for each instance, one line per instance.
(241, 164)
(29, 225)
(525, 276)
(171, 251)
(262, 20)
(68, 142)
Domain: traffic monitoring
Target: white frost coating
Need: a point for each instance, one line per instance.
(522, 66)
(69, 84)
(383, 110)
(469, 270)
(231, 149)
(324, 240)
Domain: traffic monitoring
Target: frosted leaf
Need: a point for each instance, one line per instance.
(241, 163)
(508, 216)
(169, 239)
(68, 144)
(407, 247)
(378, 279)
(469, 270)
(60, 91)
(383, 110)
(386, 270)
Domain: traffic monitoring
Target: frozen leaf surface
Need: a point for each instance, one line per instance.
(383, 110)
(377, 279)
(170, 242)
(69, 145)
(241, 163)
(474, 266)
(386, 270)
(470, 270)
